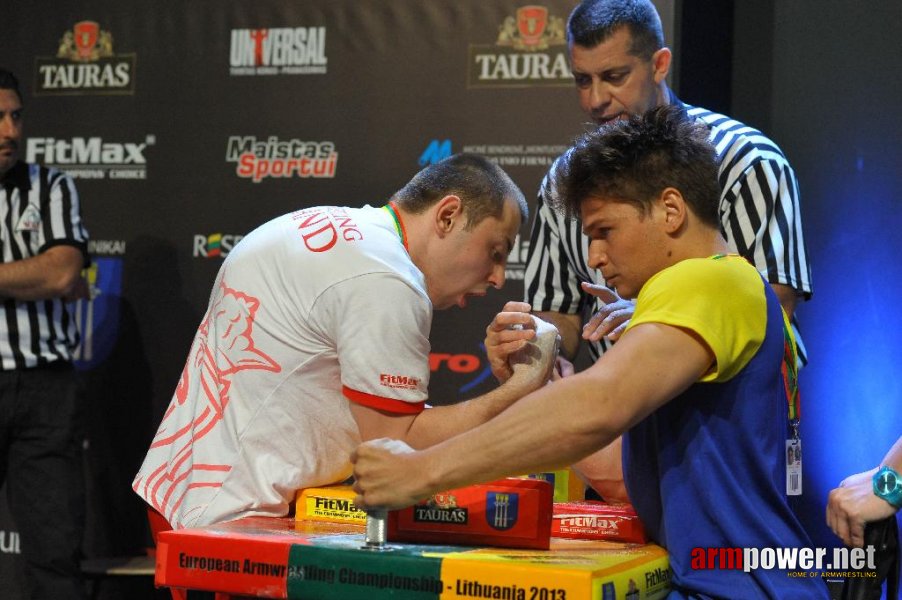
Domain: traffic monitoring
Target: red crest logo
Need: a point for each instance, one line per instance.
(86, 34)
(85, 42)
(443, 500)
(531, 21)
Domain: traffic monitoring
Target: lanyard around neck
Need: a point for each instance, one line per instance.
(392, 209)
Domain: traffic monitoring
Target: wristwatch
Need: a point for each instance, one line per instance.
(888, 485)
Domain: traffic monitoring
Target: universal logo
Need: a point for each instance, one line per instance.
(278, 51)
(85, 64)
(530, 51)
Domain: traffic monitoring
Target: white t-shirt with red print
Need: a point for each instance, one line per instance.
(310, 310)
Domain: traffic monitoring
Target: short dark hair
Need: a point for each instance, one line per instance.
(481, 185)
(8, 81)
(634, 160)
(594, 21)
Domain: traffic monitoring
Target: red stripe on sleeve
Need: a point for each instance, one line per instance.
(391, 405)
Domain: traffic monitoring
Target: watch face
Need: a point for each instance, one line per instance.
(887, 482)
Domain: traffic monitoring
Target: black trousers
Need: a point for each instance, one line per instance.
(41, 436)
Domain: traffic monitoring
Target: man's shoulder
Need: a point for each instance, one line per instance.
(710, 274)
(728, 133)
(717, 120)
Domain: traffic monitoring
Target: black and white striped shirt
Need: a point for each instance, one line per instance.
(759, 214)
(38, 209)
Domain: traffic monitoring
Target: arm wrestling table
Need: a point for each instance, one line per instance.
(263, 557)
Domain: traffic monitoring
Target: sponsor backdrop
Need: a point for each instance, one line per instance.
(187, 124)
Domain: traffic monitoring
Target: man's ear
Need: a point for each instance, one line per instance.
(660, 61)
(674, 208)
(449, 213)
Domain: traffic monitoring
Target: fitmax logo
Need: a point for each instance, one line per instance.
(86, 151)
(398, 381)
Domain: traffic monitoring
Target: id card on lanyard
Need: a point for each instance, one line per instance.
(791, 384)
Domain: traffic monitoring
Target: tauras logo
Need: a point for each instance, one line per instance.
(530, 50)
(85, 64)
(437, 514)
(532, 68)
(93, 78)
(86, 151)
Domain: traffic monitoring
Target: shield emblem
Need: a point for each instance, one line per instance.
(501, 509)
(86, 33)
(531, 21)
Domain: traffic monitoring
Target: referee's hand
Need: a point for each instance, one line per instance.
(611, 319)
(80, 290)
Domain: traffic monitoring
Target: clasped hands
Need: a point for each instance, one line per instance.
(513, 328)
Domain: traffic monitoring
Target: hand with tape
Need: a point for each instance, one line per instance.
(536, 359)
(509, 332)
(386, 475)
(517, 337)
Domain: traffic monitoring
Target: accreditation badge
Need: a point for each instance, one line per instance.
(794, 467)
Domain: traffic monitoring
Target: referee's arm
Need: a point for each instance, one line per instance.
(54, 273)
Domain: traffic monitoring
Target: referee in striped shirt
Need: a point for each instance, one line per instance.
(619, 64)
(44, 248)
